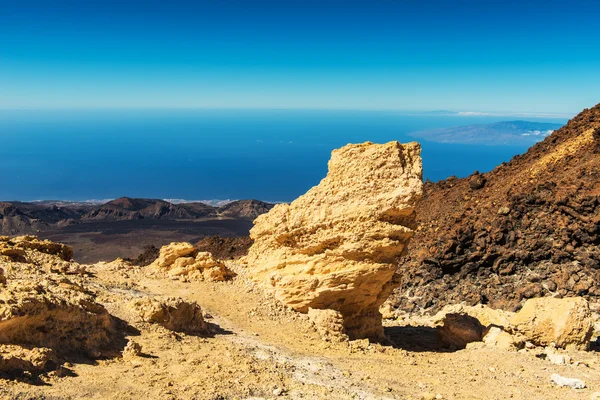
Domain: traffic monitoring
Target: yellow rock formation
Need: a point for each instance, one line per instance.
(335, 247)
(183, 260)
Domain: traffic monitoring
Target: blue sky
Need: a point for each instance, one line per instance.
(496, 56)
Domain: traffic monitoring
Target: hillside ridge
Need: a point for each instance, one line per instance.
(529, 228)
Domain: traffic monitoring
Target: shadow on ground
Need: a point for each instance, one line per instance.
(416, 339)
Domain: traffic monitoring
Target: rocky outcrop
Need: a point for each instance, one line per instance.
(31, 249)
(54, 313)
(41, 306)
(336, 246)
(183, 260)
(172, 313)
(529, 228)
(564, 322)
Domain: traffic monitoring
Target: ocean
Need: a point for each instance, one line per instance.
(272, 155)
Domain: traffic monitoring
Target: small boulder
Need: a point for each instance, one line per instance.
(183, 260)
(477, 181)
(170, 253)
(496, 337)
(565, 322)
(562, 381)
(503, 211)
(17, 359)
(172, 313)
(132, 350)
(460, 329)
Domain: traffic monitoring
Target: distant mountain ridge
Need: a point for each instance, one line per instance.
(23, 217)
(498, 133)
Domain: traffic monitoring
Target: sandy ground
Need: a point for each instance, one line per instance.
(261, 350)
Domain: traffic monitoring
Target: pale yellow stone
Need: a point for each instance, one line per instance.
(336, 246)
(182, 259)
(564, 322)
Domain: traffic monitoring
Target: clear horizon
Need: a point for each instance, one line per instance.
(471, 56)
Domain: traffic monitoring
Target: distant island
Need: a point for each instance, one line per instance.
(499, 133)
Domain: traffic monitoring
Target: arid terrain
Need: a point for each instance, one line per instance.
(369, 286)
(256, 348)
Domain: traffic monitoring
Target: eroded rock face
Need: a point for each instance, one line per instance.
(45, 303)
(57, 314)
(564, 322)
(183, 260)
(335, 246)
(329, 324)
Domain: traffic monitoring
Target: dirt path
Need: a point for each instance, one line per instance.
(262, 351)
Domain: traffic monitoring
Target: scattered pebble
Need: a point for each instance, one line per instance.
(568, 382)
(557, 359)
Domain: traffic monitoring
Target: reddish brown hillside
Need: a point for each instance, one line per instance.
(529, 228)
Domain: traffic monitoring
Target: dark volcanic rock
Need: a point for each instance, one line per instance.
(126, 208)
(225, 248)
(249, 209)
(528, 228)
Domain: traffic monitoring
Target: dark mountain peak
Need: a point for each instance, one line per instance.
(249, 209)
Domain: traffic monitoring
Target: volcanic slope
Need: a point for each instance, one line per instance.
(529, 228)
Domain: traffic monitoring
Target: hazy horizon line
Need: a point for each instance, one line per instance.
(431, 112)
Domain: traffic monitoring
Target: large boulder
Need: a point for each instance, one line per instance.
(336, 246)
(564, 322)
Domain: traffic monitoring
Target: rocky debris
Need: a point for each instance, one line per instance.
(556, 358)
(541, 322)
(132, 350)
(329, 324)
(335, 247)
(225, 248)
(562, 381)
(172, 313)
(17, 359)
(564, 322)
(460, 329)
(545, 241)
(183, 260)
